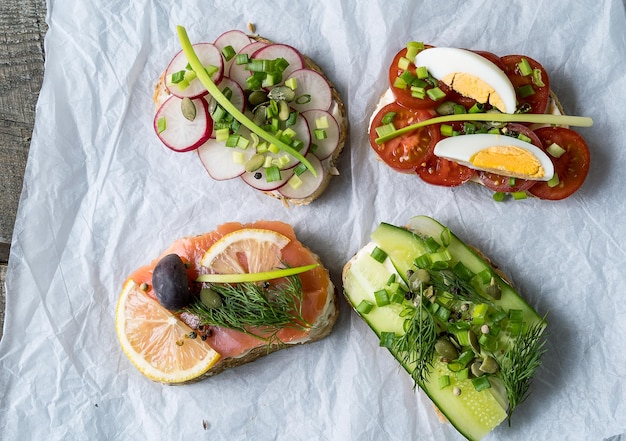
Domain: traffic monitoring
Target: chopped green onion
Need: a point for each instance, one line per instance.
(232, 140)
(481, 383)
(554, 181)
(161, 124)
(291, 83)
(443, 314)
(300, 168)
(516, 314)
(525, 90)
(378, 255)
(524, 67)
(423, 261)
(218, 114)
(446, 130)
(320, 134)
(399, 83)
(421, 72)
(479, 313)
(512, 181)
(295, 182)
(431, 244)
(407, 77)
(238, 158)
(435, 94)
(228, 52)
(389, 117)
(463, 374)
(418, 92)
(385, 129)
(498, 196)
(519, 195)
(403, 63)
(524, 138)
(322, 122)
(382, 297)
(477, 108)
(242, 59)
(386, 339)
(537, 80)
(364, 307)
(462, 271)
(303, 99)
(444, 381)
(272, 174)
(555, 150)
(412, 49)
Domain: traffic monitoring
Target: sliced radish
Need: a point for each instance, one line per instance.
(238, 98)
(209, 55)
(326, 146)
(307, 183)
(274, 51)
(179, 133)
(258, 179)
(238, 72)
(218, 160)
(234, 38)
(312, 91)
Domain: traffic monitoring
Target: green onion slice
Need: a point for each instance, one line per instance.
(566, 120)
(196, 65)
(255, 277)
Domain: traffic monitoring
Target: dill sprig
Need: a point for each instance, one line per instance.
(257, 309)
(519, 364)
(417, 344)
(448, 281)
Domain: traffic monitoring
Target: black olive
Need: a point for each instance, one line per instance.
(170, 283)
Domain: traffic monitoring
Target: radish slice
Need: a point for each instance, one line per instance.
(273, 51)
(235, 38)
(238, 72)
(218, 160)
(326, 146)
(301, 128)
(209, 55)
(180, 134)
(309, 183)
(311, 84)
(258, 179)
(238, 98)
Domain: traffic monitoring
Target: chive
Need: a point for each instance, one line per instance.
(579, 121)
(555, 150)
(477, 108)
(446, 130)
(364, 307)
(407, 77)
(463, 272)
(516, 314)
(479, 313)
(443, 314)
(524, 138)
(242, 59)
(195, 63)
(463, 374)
(177, 77)
(320, 134)
(255, 277)
(300, 168)
(228, 52)
(388, 117)
(519, 195)
(418, 92)
(387, 339)
(222, 134)
(421, 72)
(399, 83)
(382, 297)
(423, 261)
(218, 114)
(525, 91)
(385, 129)
(291, 83)
(378, 255)
(459, 109)
(511, 181)
(481, 383)
(391, 279)
(466, 356)
(297, 144)
(272, 174)
(303, 99)
(554, 181)
(498, 196)
(524, 67)
(444, 381)
(161, 124)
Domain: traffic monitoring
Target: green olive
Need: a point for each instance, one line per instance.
(446, 349)
(210, 298)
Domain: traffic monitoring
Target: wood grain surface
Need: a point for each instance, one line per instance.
(22, 30)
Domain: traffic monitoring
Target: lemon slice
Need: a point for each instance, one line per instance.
(249, 250)
(162, 347)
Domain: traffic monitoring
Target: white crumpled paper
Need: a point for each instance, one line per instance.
(102, 197)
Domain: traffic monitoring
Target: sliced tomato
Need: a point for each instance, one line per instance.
(440, 171)
(403, 96)
(406, 152)
(503, 183)
(538, 100)
(572, 167)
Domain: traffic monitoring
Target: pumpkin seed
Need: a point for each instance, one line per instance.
(188, 108)
(255, 162)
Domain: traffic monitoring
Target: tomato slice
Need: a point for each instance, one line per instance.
(403, 96)
(406, 152)
(538, 100)
(441, 171)
(572, 167)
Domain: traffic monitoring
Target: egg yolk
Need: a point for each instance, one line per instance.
(473, 87)
(510, 160)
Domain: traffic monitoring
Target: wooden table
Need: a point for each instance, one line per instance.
(23, 27)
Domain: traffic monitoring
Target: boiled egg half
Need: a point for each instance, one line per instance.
(500, 154)
(471, 75)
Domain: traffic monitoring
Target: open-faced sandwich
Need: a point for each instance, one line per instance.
(222, 299)
(462, 332)
(254, 110)
(453, 115)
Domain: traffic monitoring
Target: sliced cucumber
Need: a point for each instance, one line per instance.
(474, 413)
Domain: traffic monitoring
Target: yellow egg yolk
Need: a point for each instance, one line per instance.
(473, 87)
(510, 161)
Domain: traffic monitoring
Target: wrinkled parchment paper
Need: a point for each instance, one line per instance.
(102, 197)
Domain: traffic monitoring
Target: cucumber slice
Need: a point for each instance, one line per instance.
(473, 413)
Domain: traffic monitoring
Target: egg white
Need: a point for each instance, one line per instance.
(442, 62)
(462, 148)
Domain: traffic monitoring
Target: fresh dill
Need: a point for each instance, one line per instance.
(257, 309)
(519, 364)
(460, 289)
(417, 344)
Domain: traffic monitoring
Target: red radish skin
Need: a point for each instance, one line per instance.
(180, 134)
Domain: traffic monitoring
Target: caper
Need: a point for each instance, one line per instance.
(257, 97)
(475, 368)
(282, 93)
(210, 298)
(494, 290)
(446, 349)
(473, 341)
(489, 365)
(255, 162)
(188, 108)
(418, 279)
